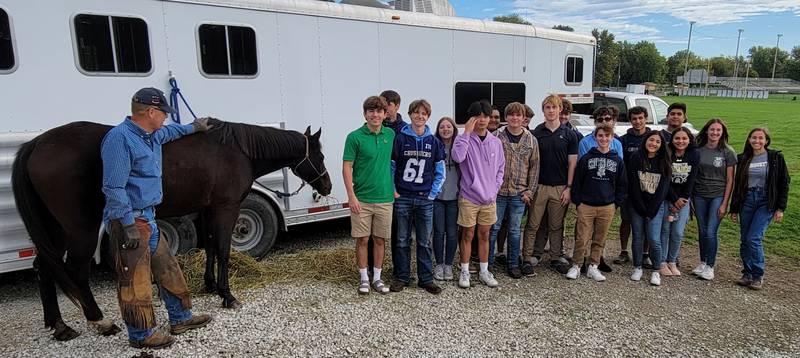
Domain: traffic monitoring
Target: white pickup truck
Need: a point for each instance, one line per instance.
(656, 111)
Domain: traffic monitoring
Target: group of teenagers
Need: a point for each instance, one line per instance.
(449, 188)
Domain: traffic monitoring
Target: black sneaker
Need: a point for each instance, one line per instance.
(397, 286)
(500, 260)
(603, 266)
(584, 267)
(527, 269)
(431, 288)
(559, 266)
(623, 258)
(515, 272)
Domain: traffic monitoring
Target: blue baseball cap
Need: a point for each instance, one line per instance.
(152, 97)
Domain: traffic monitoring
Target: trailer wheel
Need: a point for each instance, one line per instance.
(179, 232)
(256, 227)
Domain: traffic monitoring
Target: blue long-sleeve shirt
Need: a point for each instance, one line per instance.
(588, 142)
(132, 168)
(418, 164)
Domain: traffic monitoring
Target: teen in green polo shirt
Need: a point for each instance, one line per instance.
(370, 189)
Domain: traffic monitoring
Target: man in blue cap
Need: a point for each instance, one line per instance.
(131, 154)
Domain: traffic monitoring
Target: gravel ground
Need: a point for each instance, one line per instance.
(545, 315)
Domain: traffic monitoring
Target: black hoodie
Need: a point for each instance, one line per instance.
(631, 142)
(648, 185)
(600, 179)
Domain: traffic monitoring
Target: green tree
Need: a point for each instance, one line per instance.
(606, 59)
(722, 66)
(793, 66)
(564, 28)
(513, 18)
(762, 59)
(641, 62)
(677, 62)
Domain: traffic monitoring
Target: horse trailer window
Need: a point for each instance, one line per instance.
(499, 94)
(112, 44)
(6, 47)
(574, 70)
(227, 50)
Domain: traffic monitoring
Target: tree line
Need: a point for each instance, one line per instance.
(623, 62)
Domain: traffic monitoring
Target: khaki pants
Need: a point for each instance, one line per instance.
(548, 198)
(593, 225)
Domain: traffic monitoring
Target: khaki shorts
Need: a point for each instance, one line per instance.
(469, 214)
(374, 219)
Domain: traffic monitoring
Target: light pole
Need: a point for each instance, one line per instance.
(688, 45)
(775, 61)
(736, 65)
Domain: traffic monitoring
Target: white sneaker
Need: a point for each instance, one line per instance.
(593, 273)
(699, 269)
(463, 279)
(637, 274)
(573, 272)
(438, 273)
(535, 261)
(655, 279)
(487, 278)
(708, 273)
(448, 272)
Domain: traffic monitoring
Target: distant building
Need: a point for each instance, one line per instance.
(436, 7)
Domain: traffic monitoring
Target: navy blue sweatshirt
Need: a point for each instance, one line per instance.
(631, 143)
(684, 172)
(397, 125)
(648, 187)
(600, 179)
(418, 164)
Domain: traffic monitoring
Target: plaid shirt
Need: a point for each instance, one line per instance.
(522, 164)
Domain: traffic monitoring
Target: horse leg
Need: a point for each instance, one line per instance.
(222, 223)
(52, 313)
(210, 247)
(79, 265)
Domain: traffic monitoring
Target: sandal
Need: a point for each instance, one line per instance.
(363, 288)
(379, 287)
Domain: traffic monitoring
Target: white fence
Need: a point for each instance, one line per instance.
(728, 93)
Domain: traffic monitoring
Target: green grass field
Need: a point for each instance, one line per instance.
(782, 117)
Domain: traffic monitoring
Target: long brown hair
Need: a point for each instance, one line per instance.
(452, 140)
(662, 155)
(702, 137)
(743, 168)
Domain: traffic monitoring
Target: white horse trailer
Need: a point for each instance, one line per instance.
(293, 62)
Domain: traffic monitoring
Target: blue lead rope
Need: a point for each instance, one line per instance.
(173, 101)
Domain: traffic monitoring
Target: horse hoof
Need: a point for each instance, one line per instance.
(231, 304)
(105, 327)
(64, 333)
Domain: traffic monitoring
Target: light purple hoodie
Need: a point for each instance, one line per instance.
(482, 164)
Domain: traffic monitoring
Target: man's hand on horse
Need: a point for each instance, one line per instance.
(201, 124)
(132, 237)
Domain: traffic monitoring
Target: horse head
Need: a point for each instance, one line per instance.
(312, 167)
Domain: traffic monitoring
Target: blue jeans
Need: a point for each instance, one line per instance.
(755, 219)
(420, 212)
(445, 230)
(515, 208)
(672, 234)
(707, 227)
(177, 313)
(647, 229)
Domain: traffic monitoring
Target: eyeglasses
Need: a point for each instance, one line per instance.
(604, 119)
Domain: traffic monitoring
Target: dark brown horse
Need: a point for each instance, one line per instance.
(57, 179)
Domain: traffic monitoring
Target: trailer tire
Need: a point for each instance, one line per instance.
(256, 228)
(180, 234)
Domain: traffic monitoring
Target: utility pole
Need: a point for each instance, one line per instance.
(736, 65)
(746, 77)
(775, 61)
(688, 45)
(619, 69)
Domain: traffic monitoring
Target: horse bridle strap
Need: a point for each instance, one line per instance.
(281, 194)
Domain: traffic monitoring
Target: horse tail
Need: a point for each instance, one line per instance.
(37, 219)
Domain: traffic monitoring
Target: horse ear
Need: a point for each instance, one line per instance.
(317, 134)
(308, 131)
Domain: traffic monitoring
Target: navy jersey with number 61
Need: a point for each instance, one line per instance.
(418, 164)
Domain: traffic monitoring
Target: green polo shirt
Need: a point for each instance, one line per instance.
(371, 154)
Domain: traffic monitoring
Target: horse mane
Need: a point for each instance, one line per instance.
(257, 142)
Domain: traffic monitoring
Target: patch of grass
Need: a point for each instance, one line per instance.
(782, 117)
